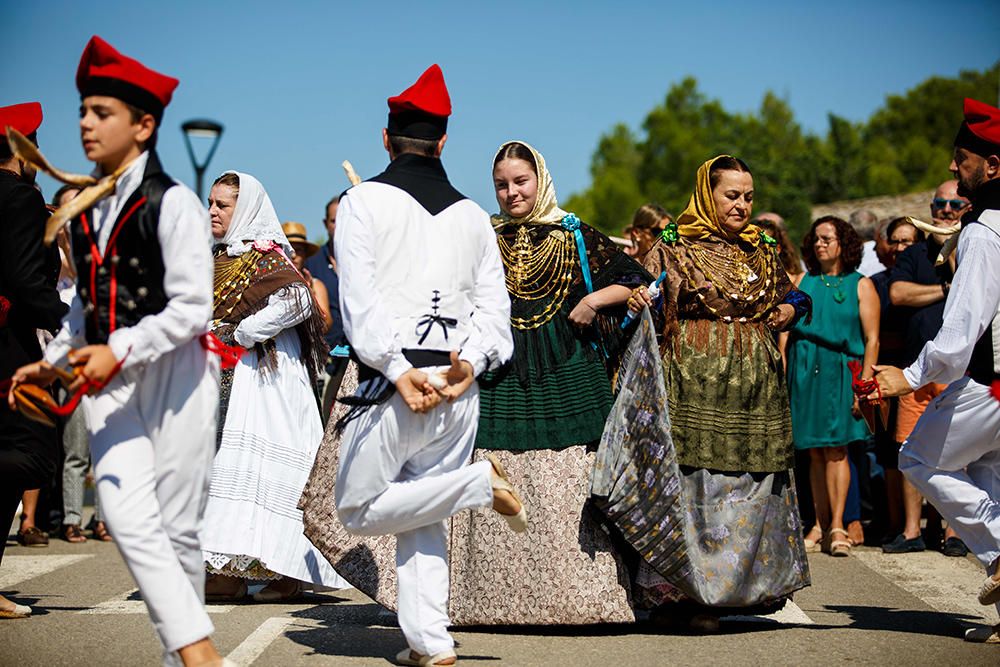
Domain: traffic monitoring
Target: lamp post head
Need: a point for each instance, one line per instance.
(202, 127)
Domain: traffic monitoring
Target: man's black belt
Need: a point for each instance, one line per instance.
(380, 389)
(419, 359)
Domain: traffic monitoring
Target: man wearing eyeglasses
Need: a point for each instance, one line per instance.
(920, 288)
(953, 454)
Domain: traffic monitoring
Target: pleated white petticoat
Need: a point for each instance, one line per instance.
(269, 442)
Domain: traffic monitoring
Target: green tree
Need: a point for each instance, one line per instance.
(904, 147)
(614, 192)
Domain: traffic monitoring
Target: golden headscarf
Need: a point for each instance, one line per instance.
(546, 210)
(699, 220)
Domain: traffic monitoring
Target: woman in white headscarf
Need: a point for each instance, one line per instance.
(269, 422)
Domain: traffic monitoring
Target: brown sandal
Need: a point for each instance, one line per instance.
(32, 537)
(72, 533)
(101, 532)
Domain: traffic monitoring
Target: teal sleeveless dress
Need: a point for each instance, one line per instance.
(819, 382)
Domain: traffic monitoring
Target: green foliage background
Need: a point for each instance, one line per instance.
(905, 146)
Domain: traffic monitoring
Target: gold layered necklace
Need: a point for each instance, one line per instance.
(741, 277)
(537, 272)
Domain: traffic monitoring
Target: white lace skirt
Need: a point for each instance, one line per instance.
(252, 526)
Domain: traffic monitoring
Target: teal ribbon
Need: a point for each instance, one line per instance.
(571, 223)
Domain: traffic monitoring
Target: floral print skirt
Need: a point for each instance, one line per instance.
(562, 570)
(718, 538)
(742, 537)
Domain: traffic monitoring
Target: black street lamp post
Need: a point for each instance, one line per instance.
(201, 127)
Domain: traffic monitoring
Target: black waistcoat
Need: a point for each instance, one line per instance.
(982, 365)
(124, 284)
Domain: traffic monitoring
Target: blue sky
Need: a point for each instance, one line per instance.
(301, 86)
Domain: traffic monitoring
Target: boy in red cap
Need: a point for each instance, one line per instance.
(144, 297)
(28, 302)
(423, 299)
(953, 455)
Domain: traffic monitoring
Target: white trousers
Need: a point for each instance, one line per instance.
(953, 459)
(152, 439)
(404, 474)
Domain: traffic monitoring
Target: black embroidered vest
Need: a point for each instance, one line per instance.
(125, 283)
(984, 365)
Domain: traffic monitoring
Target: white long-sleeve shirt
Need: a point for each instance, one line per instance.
(185, 235)
(973, 303)
(400, 267)
(285, 308)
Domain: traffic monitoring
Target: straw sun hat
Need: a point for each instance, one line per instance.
(296, 234)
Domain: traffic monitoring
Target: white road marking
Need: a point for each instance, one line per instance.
(21, 568)
(124, 604)
(790, 614)
(949, 585)
(254, 645)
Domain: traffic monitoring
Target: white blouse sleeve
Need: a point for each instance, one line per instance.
(971, 306)
(285, 308)
(490, 343)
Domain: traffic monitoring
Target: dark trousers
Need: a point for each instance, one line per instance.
(27, 461)
(10, 496)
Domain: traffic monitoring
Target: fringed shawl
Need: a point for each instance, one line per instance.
(243, 285)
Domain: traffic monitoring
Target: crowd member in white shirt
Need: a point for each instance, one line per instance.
(144, 298)
(424, 301)
(953, 455)
(866, 224)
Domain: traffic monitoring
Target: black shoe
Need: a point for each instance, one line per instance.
(955, 548)
(901, 545)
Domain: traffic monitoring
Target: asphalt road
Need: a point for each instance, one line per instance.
(867, 609)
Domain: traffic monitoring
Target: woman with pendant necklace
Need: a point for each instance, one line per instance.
(844, 327)
(715, 465)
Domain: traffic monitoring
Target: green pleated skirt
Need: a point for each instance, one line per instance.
(565, 406)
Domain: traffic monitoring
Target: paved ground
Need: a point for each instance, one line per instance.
(867, 609)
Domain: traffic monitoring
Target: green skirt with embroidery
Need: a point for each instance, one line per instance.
(728, 398)
(566, 405)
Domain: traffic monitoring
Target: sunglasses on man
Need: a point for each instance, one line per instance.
(956, 204)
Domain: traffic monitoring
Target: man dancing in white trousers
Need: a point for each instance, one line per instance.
(426, 310)
(953, 455)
